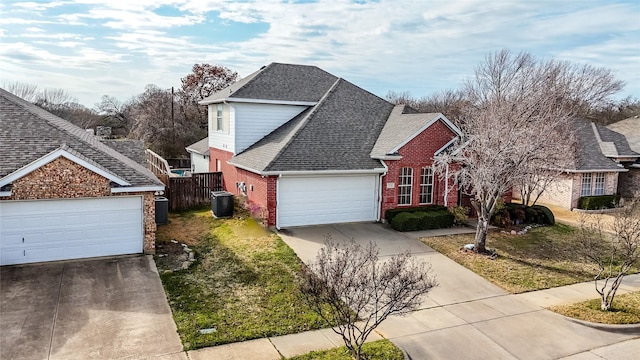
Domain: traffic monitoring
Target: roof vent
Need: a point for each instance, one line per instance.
(263, 66)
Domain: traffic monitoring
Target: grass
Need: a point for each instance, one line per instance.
(378, 350)
(626, 310)
(243, 283)
(543, 258)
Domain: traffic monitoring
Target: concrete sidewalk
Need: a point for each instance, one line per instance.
(466, 317)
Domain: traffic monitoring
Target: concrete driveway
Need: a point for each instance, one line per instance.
(467, 317)
(111, 308)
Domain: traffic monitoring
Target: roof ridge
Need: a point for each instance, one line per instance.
(79, 133)
(304, 122)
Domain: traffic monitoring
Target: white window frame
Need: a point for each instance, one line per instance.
(219, 118)
(426, 185)
(586, 184)
(405, 186)
(598, 184)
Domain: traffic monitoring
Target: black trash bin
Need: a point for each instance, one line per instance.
(221, 204)
(162, 210)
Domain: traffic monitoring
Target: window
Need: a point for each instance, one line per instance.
(586, 185)
(219, 118)
(404, 186)
(426, 186)
(599, 186)
(592, 184)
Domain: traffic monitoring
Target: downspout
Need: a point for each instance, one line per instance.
(379, 210)
(446, 186)
(277, 201)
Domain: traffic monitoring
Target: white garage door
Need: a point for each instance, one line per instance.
(326, 200)
(48, 230)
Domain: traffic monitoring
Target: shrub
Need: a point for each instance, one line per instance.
(520, 214)
(391, 213)
(460, 214)
(403, 221)
(598, 202)
(546, 215)
(422, 220)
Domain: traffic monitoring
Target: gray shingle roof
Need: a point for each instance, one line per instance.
(630, 128)
(133, 149)
(589, 154)
(28, 133)
(279, 82)
(400, 127)
(201, 147)
(338, 133)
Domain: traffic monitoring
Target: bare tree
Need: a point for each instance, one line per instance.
(515, 120)
(614, 255)
(447, 102)
(28, 92)
(360, 290)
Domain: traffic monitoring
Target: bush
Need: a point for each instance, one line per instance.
(520, 214)
(598, 202)
(422, 220)
(391, 213)
(546, 214)
(403, 221)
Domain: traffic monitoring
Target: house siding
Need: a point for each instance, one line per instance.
(259, 120)
(199, 163)
(64, 179)
(416, 154)
(223, 140)
(260, 191)
(629, 183)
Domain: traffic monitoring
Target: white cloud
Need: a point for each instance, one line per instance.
(383, 45)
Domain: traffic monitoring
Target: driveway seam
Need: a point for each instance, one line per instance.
(55, 313)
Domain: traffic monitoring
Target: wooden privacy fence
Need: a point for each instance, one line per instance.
(190, 191)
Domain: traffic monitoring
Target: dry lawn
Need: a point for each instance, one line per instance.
(545, 257)
(626, 310)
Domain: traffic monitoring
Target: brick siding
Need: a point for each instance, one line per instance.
(260, 190)
(416, 154)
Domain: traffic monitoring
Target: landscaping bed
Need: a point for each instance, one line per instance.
(626, 310)
(381, 349)
(542, 258)
(241, 286)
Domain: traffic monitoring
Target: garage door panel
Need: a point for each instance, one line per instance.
(69, 229)
(327, 199)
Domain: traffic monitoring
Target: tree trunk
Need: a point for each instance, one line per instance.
(481, 234)
(604, 304)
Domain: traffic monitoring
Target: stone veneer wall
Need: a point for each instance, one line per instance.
(64, 179)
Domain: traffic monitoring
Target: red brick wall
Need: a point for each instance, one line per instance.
(260, 191)
(417, 154)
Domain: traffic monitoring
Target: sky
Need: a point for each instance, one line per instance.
(93, 48)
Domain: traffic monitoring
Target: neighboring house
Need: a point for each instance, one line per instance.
(307, 147)
(600, 158)
(199, 153)
(64, 194)
(629, 182)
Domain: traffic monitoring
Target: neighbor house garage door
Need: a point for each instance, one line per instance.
(48, 230)
(326, 200)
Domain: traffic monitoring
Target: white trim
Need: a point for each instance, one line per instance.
(380, 191)
(446, 121)
(277, 202)
(136, 189)
(595, 171)
(387, 157)
(257, 101)
(309, 172)
(5, 193)
(445, 146)
(53, 156)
